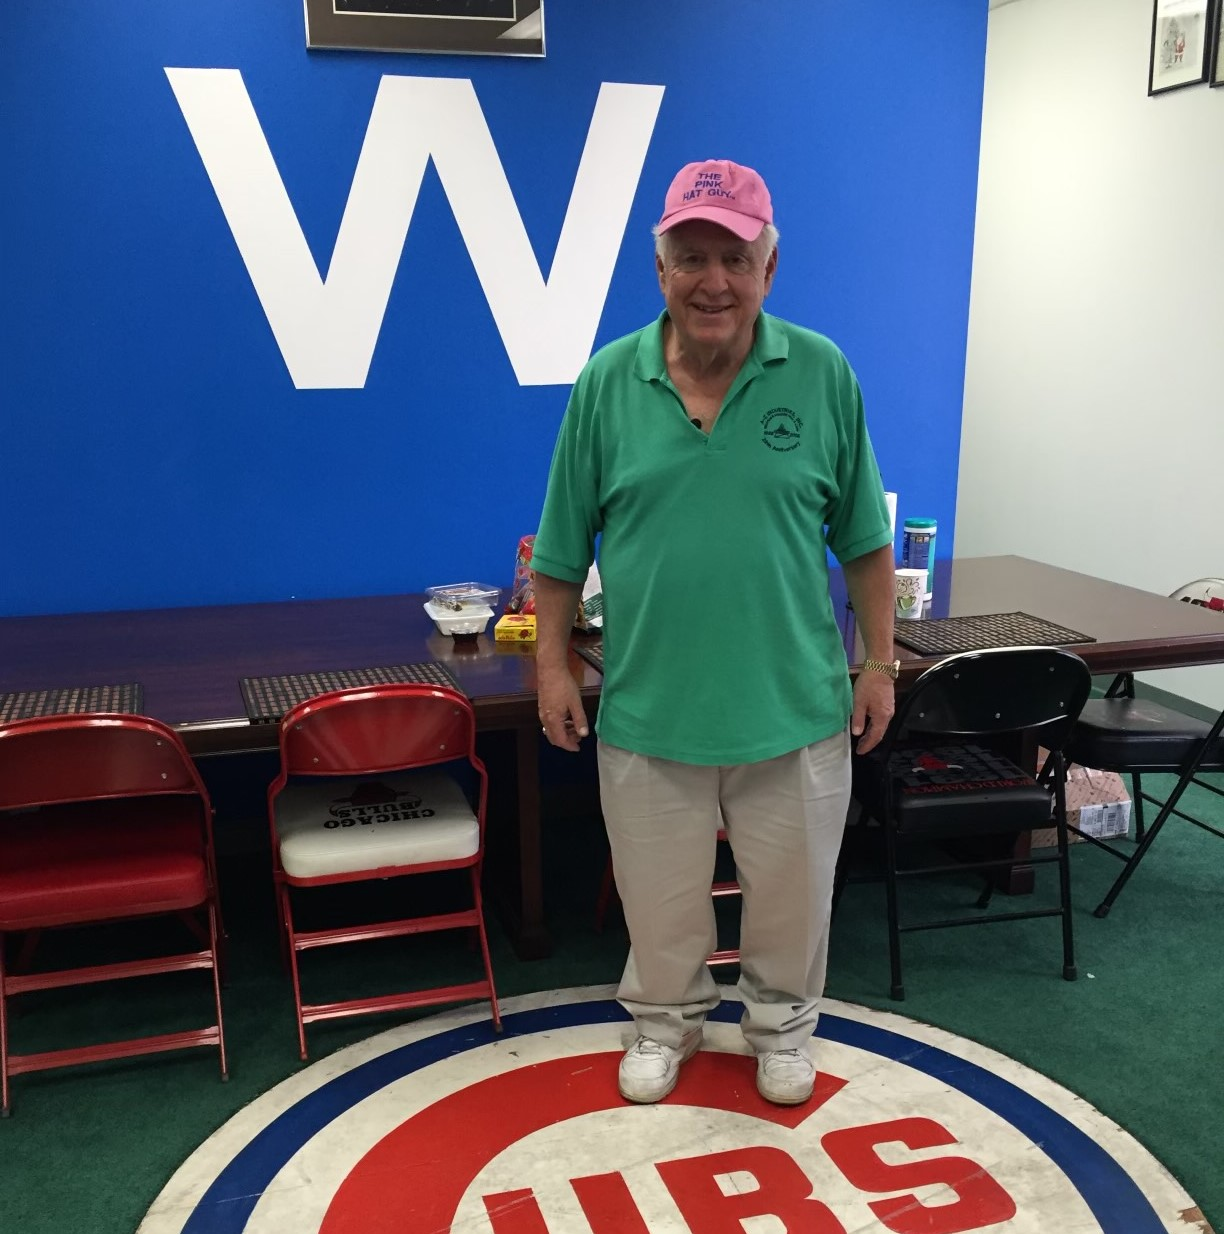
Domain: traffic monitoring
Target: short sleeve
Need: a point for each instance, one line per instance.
(859, 521)
(565, 542)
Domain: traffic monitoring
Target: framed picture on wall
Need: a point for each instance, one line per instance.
(1217, 53)
(1180, 44)
(460, 27)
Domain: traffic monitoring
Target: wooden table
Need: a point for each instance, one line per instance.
(189, 661)
(1134, 630)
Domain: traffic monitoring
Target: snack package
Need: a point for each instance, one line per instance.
(522, 594)
(515, 628)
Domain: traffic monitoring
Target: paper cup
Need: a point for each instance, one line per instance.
(910, 590)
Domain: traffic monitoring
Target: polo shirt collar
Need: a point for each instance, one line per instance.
(770, 345)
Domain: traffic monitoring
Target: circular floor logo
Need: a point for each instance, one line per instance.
(442, 1125)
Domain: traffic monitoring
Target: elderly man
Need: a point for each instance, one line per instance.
(715, 453)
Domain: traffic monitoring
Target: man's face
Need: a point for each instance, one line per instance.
(713, 283)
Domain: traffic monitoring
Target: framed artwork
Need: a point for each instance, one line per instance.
(460, 27)
(1180, 44)
(1217, 52)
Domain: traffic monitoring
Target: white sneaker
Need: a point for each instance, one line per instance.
(649, 1070)
(785, 1077)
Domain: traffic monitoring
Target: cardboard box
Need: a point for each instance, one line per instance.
(1097, 803)
(515, 628)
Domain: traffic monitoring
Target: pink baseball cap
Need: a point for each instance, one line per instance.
(723, 192)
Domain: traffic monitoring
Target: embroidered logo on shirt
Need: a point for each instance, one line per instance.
(780, 428)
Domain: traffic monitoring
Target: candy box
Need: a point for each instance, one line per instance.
(515, 628)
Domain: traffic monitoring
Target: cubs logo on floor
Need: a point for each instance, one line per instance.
(442, 1125)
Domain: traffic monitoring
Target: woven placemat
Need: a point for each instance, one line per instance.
(592, 653)
(945, 636)
(268, 698)
(72, 700)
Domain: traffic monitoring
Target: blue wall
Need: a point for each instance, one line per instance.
(155, 448)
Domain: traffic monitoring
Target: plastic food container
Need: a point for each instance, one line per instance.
(469, 620)
(458, 596)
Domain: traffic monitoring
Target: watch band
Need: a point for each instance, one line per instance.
(890, 668)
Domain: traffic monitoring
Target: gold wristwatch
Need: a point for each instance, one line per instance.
(890, 668)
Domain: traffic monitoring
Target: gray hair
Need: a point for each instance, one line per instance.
(764, 243)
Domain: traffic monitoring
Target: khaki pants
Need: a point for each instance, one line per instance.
(784, 818)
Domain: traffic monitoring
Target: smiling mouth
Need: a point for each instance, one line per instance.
(711, 311)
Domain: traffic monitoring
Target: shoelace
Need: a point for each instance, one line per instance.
(644, 1045)
(786, 1056)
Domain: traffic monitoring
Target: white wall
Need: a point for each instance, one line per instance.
(1093, 432)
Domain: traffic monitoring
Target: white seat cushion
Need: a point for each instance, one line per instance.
(373, 822)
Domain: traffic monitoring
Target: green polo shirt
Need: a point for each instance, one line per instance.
(720, 641)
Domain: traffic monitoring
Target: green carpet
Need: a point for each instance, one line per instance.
(1139, 1035)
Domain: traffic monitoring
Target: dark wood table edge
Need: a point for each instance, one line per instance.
(514, 712)
(521, 908)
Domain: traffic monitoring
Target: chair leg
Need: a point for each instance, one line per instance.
(484, 950)
(286, 916)
(1070, 973)
(214, 930)
(1137, 798)
(1162, 816)
(897, 988)
(282, 933)
(221, 946)
(5, 1109)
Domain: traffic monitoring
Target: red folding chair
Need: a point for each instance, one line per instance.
(103, 818)
(362, 794)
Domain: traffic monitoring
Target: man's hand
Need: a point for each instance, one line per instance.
(869, 581)
(874, 704)
(561, 713)
(560, 704)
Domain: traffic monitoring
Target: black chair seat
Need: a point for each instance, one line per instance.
(953, 790)
(1118, 734)
(956, 790)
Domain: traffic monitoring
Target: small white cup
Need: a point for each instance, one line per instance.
(910, 589)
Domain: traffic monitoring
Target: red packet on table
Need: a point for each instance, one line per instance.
(522, 594)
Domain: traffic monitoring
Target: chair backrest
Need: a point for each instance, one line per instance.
(1205, 592)
(999, 690)
(376, 729)
(57, 759)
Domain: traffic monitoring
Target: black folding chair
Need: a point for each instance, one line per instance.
(1134, 736)
(930, 781)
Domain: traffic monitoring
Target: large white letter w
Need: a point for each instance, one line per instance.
(327, 328)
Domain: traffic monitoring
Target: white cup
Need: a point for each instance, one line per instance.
(910, 590)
